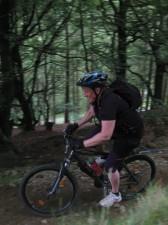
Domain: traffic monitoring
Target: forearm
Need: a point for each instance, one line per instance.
(95, 140)
(107, 128)
(83, 121)
(87, 117)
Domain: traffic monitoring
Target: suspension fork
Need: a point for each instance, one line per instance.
(61, 173)
(55, 184)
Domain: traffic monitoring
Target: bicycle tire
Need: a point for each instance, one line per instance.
(35, 185)
(143, 169)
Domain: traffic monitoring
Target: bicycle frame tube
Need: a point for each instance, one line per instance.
(65, 164)
(130, 173)
(69, 153)
(83, 166)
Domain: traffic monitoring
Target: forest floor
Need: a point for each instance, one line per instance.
(41, 146)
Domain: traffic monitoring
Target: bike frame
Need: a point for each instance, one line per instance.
(71, 154)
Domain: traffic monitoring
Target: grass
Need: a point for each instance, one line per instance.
(150, 209)
(11, 177)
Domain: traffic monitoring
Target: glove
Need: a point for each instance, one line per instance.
(76, 143)
(71, 128)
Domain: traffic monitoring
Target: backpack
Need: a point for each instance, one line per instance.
(128, 92)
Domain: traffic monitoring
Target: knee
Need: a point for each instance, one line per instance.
(113, 167)
(110, 168)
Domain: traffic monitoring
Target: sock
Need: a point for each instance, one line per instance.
(116, 193)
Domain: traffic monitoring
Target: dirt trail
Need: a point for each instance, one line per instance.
(39, 147)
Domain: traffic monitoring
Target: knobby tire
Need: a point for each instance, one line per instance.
(36, 184)
(143, 169)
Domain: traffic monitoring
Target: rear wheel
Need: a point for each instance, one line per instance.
(35, 187)
(137, 173)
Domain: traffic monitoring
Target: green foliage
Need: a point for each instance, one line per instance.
(38, 28)
(150, 209)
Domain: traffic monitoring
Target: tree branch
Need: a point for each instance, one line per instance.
(143, 80)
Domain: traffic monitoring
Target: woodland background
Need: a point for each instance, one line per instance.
(45, 46)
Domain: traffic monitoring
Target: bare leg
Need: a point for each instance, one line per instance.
(113, 196)
(114, 180)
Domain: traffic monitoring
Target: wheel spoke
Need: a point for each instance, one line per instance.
(37, 185)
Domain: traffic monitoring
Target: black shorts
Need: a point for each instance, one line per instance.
(119, 148)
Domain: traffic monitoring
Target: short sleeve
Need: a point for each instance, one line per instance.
(109, 107)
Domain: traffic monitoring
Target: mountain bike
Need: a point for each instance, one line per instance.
(51, 189)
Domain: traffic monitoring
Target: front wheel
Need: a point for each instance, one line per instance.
(35, 187)
(137, 173)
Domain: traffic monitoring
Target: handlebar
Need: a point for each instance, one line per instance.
(90, 152)
(67, 138)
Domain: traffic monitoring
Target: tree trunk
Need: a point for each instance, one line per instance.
(28, 121)
(165, 90)
(54, 97)
(67, 76)
(159, 75)
(6, 73)
(121, 20)
(83, 37)
(150, 72)
(46, 97)
(112, 53)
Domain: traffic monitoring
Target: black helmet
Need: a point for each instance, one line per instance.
(93, 79)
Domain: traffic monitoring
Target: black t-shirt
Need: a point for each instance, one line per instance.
(111, 106)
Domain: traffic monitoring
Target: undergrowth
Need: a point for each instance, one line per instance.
(150, 209)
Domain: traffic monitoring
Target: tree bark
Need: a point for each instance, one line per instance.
(67, 76)
(159, 75)
(6, 73)
(121, 20)
(83, 37)
(28, 121)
